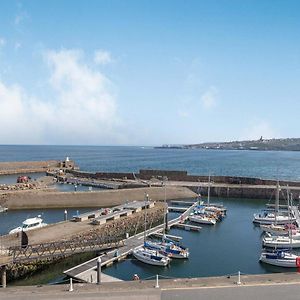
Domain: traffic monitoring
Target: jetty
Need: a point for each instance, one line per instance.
(85, 271)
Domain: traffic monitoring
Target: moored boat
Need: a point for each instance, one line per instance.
(281, 242)
(202, 219)
(268, 218)
(29, 224)
(278, 229)
(3, 209)
(168, 248)
(280, 258)
(151, 257)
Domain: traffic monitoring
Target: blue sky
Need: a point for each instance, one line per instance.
(148, 72)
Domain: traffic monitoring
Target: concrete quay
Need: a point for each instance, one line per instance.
(21, 167)
(266, 286)
(38, 199)
(237, 190)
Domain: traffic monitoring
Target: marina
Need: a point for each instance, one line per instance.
(204, 242)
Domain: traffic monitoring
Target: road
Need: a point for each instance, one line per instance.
(277, 291)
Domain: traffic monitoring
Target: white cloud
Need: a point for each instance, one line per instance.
(209, 98)
(102, 57)
(2, 42)
(258, 129)
(83, 109)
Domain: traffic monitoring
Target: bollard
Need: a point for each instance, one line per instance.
(127, 235)
(99, 270)
(3, 276)
(65, 215)
(239, 278)
(71, 285)
(157, 285)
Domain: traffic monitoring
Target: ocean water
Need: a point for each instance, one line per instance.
(232, 245)
(261, 164)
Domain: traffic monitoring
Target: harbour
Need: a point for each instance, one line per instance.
(222, 243)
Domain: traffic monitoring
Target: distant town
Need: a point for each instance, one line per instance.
(287, 144)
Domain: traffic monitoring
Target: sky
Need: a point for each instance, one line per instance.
(111, 72)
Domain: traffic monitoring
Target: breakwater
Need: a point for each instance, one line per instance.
(179, 176)
(221, 186)
(21, 167)
(51, 199)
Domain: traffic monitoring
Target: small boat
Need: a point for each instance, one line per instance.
(280, 258)
(281, 242)
(3, 209)
(275, 216)
(169, 249)
(29, 224)
(268, 218)
(151, 257)
(216, 209)
(202, 219)
(278, 229)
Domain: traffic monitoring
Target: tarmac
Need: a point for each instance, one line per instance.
(264, 286)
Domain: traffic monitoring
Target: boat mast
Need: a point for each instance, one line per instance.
(145, 216)
(208, 190)
(289, 214)
(276, 201)
(165, 208)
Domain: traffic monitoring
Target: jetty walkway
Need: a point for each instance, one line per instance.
(86, 271)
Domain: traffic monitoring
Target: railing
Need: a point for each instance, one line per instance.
(63, 248)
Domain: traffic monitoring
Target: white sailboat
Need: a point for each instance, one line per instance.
(202, 219)
(149, 256)
(284, 257)
(274, 217)
(200, 215)
(167, 248)
(279, 229)
(216, 208)
(280, 258)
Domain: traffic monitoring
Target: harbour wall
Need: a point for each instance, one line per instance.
(250, 192)
(181, 176)
(23, 167)
(50, 199)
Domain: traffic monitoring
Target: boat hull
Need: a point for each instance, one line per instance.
(138, 255)
(281, 243)
(200, 220)
(291, 261)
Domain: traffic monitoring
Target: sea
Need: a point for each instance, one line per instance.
(224, 249)
(247, 163)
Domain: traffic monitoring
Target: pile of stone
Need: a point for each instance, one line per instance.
(18, 186)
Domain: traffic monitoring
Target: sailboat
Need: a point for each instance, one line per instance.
(283, 230)
(274, 217)
(168, 248)
(200, 215)
(149, 256)
(281, 257)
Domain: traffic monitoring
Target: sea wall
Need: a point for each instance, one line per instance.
(51, 199)
(181, 176)
(251, 192)
(24, 167)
